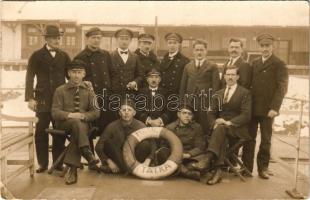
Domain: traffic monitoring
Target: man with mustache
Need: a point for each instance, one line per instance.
(201, 79)
(145, 54)
(235, 50)
(269, 86)
(228, 123)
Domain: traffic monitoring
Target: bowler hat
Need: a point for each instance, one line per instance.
(77, 64)
(52, 31)
(123, 32)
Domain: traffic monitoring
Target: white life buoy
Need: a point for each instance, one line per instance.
(156, 172)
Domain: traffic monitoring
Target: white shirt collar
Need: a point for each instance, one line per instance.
(119, 50)
(199, 61)
(231, 91)
(143, 53)
(233, 87)
(264, 59)
(234, 60)
(153, 88)
(173, 54)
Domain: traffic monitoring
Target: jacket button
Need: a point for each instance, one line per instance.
(104, 73)
(92, 63)
(173, 72)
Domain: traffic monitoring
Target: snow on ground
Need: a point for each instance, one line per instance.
(286, 123)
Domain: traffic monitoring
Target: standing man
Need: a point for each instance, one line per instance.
(145, 54)
(98, 63)
(126, 70)
(269, 86)
(73, 109)
(235, 50)
(173, 63)
(200, 76)
(48, 65)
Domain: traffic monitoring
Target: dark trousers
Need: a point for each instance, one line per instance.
(115, 152)
(220, 138)
(41, 139)
(79, 138)
(263, 155)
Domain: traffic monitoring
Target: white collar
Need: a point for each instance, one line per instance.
(153, 88)
(264, 59)
(234, 60)
(145, 54)
(200, 61)
(48, 47)
(119, 50)
(173, 54)
(233, 87)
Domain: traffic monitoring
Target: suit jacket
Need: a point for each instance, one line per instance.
(150, 109)
(195, 80)
(172, 71)
(123, 73)
(245, 73)
(50, 73)
(269, 85)
(237, 110)
(98, 68)
(63, 102)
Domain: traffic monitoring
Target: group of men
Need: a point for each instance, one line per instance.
(247, 95)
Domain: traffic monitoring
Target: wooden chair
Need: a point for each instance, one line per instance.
(10, 143)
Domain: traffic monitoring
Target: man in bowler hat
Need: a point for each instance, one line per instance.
(48, 65)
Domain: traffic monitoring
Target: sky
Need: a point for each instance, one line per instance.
(275, 13)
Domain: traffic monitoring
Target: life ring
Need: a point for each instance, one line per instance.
(156, 172)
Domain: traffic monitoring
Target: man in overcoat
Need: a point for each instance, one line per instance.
(269, 86)
(48, 66)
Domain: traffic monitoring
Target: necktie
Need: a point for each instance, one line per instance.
(124, 52)
(76, 100)
(230, 62)
(198, 64)
(226, 95)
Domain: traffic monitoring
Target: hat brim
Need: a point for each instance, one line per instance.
(54, 35)
(266, 41)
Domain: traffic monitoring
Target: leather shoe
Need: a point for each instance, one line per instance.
(245, 174)
(263, 174)
(217, 177)
(41, 169)
(71, 175)
(105, 169)
(89, 156)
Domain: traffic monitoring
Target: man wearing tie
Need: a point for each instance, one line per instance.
(228, 122)
(126, 70)
(201, 79)
(235, 50)
(173, 63)
(269, 86)
(155, 112)
(48, 65)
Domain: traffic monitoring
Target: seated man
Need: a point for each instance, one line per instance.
(155, 112)
(110, 145)
(73, 109)
(228, 123)
(192, 137)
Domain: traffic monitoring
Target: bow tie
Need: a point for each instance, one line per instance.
(153, 90)
(124, 52)
(52, 50)
(171, 57)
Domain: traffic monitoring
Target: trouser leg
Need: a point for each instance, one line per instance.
(248, 152)
(115, 153)
(41, 138)
(263, 155)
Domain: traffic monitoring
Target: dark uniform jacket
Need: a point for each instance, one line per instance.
(172, 71)
(63, 102)
(155, 106)
(245, 73)
(123, 73)
(194, 79)
(191, 136)
(269, 85)
(118, 132)
(50, 73)
(237, 110)
(98, 68)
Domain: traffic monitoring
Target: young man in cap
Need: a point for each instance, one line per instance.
(193, 139)
(98, 63)
(235, 50)
(126, 70)
(48, 65)
(228, 122)
(173, 63)
(110, 145)
(201, 79)
(145, 54)
(73, 109)
(269, 86)
(155, 112)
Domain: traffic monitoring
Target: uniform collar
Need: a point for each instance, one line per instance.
(178, 124)
(71, 85)
(172, 54)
